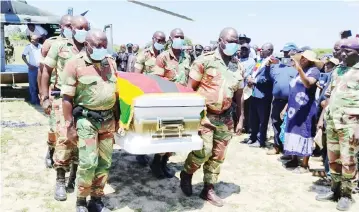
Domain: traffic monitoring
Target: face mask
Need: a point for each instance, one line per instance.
(98, 54)
(80, 35)
(158, 46)
(177, 43)
(231, 49)
(67, 33)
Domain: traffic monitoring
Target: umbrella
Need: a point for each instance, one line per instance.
(132, 85)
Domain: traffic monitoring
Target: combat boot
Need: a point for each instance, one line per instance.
(346, 200)
(332, 195)
(156, 167)
(210, 195)
(81, 205)
(49, 162)
(72, 178)
(167, 171)
(186, 183)
(60, 190)
(96, 205)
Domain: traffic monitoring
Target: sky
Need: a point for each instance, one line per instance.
(307, 23)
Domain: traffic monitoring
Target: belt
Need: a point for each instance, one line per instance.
(55, 92)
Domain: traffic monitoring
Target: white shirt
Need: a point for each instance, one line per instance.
(34, 54)
(39, 31)
(252, 54)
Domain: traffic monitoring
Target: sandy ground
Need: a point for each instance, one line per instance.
(250, 180)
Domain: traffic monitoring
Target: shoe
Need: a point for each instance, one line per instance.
(186, 183)
(291, 164)
(70, 188)
(326, 181)
(345, 203)
(210, 195)
(60, 189)
(329, 196)
(286, 157)
(167, 171)
(143, 159)
(49, 162)
(156, 167)
(96, 205)
(251, 141)
(255, 144)
(245, 141)
(301, 170)
(81, 205)
(273, 151)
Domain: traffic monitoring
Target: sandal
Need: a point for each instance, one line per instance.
(301, 170)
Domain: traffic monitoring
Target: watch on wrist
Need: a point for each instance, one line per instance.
(69, 123)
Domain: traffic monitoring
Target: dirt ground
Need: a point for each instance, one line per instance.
(250, 180)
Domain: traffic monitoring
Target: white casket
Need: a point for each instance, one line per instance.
(164, 123)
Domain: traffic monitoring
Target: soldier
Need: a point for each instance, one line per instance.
(172, 64)
(207, 49)
(211, 77)
(132, 59)
(9, 51)
(90, 85)
(342, 118)
(65, 151)
(66, 33)
(122, 58)
(146, 60)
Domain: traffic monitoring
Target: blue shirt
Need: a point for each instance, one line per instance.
(281, 75)
(263, 86)
(324, 81)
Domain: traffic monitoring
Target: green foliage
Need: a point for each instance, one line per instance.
(321, 52)
(17, 36)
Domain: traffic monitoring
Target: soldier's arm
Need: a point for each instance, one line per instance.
(195, 74)
(159, 68)
(140, 63)
(49, 64)
(68, 88)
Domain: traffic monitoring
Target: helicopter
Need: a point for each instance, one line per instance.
(21, 13)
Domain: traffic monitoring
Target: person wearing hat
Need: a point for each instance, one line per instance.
(342, 119)
(242, 39)
(287, 48)
(301, 111)
(129, 48)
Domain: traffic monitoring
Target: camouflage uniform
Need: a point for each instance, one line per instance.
(146, 61)
(93, 87)
(65, 151)
(51, 142)
(172, 69)
(218, 84)
(342, 117)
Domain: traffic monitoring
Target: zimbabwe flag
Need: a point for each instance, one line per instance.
(132, 85)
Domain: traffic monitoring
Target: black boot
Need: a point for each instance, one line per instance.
(167, 171)
(81, 205)
(332, 195)
(96, 205)
(60, 190)
(346, 200)
(186, 183)
(72, 178)
(156, 167)
(49, 162)
(210, 195)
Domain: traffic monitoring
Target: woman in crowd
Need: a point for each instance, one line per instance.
(301, 111)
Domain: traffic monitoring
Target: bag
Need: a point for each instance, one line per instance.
(282, 128)
(318, 138)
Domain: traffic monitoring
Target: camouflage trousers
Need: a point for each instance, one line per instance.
(214, 149)
(65, 151)
(51, 138)
(95, 155)
(342, 151)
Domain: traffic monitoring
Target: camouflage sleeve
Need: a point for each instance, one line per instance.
(140, 61)
(69, 78)
(331, 85)
(159, 68)
(197, 70)
(52, 55)
(46, 47)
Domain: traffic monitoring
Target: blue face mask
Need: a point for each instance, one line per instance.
(98, 54)
(67, 33)
(231, 49)
(177, 43)
(158, 46)
(80, 35)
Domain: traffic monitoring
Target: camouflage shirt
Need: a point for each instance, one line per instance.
(217, 83)
(172, 69)
(93, 85)
(45, 50)
(146, 60)
(337, 74)
(60, 52)
(345, 99)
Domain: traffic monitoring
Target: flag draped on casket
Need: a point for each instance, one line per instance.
(132, 85)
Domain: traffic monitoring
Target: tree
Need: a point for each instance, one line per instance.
(321, 52)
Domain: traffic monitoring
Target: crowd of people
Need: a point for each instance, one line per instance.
(306, 99)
